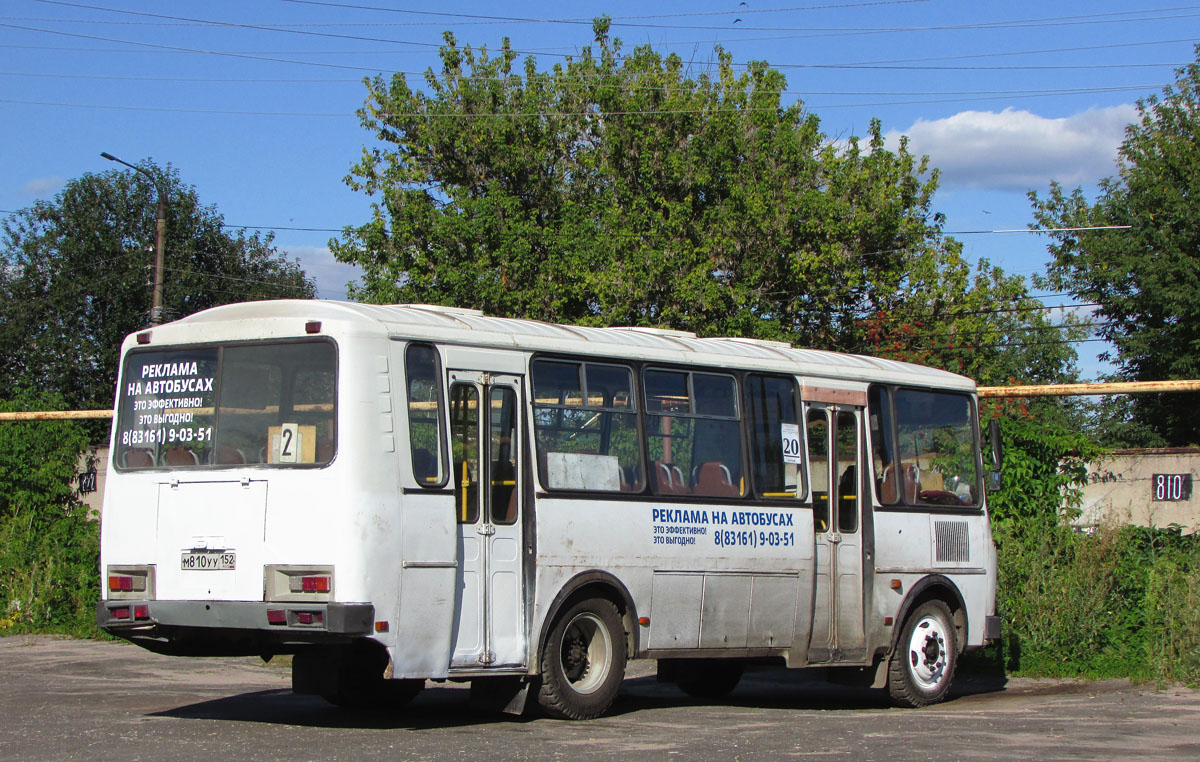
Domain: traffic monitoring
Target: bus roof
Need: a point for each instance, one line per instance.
(279, 318)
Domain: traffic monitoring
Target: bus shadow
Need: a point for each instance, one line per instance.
(784, 689)
(450, 707)
(433, 708)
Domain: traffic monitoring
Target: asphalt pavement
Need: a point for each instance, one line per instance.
(87, 700)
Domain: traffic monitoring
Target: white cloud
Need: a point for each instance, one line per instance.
(330, 275)
(42, 187)
(1018, 150)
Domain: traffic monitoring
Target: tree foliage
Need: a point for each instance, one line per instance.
(624, 189)
(981, 323)
(75, 276)
(1144, 279)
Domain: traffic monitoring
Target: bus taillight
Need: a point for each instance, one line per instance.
(298, 583)
(315, 584)
(130, 582)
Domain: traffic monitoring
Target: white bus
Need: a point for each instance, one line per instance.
(401, 493)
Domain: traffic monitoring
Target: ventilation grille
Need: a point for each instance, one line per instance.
(952, 544)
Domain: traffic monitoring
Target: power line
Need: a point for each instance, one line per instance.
(466, 18)
(588, 114)
(823, 31)
(253, 281)
(584, 81)
(1091, 18)
(890, 64)
(176, 49)
(945, 232)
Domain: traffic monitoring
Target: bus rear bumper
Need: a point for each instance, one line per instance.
(233, 628)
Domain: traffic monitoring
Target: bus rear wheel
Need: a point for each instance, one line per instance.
(923, 662)
(583, 661)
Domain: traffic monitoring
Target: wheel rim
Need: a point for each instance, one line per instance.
(927, 655)
(586, 654)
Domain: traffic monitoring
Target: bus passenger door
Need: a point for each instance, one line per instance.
(489, 625)
(835, 463)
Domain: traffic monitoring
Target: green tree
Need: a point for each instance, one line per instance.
(622, 189)
(75, 276)
(48, 547)
(983, 324)
(1144, 279)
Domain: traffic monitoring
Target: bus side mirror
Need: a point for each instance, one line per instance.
(995, 478)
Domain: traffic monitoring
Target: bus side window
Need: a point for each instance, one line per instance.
(694, 437)
(887, 485)
(585, 422)
(775, 458)
(424, 382)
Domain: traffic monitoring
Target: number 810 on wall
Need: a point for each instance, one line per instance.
(1171, 487)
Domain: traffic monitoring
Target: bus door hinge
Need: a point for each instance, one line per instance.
(834, 538)
(487, 657)
(487, 530)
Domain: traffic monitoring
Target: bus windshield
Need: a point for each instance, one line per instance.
(228, 406)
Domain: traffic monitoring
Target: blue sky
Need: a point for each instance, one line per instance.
(253, 101)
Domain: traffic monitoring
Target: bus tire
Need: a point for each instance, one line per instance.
(922, 664)
(583, 661)
(709, 678)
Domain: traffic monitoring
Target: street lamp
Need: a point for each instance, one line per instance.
(160, 240)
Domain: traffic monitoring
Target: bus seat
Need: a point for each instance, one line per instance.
(177, 456)
(228, 455)
(912, 483)
(669, 479)
(138, 458)
(713, 479)
(324, 450)
(885, 486)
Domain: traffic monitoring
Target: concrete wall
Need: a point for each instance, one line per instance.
(1121, 489)
(93, 500)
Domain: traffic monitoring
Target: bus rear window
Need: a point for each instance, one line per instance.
(228, 406)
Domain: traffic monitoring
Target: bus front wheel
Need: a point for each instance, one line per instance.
(583, 661)
(923, 662)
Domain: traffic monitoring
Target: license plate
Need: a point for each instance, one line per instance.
(210, 560)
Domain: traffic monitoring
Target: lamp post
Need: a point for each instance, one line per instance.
(160, 239)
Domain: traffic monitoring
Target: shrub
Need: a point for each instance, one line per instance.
(49, 550)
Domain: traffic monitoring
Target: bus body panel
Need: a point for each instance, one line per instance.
(907, 549)
(751, 591)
